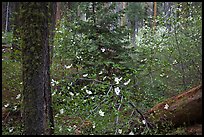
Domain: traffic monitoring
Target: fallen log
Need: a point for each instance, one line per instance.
(183, 108)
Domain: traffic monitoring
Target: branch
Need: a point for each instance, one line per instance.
(117, 118)
(100, 102)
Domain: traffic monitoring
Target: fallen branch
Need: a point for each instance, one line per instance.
(183, 108)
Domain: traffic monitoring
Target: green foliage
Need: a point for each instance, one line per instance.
(154, 67)
(96, 74)
(136, 9)
(7, 37)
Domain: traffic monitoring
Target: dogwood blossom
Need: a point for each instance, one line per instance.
(144, 121)
(94, 125)
(61, 111)
(11, 129)
(18, 96)
(127, 82)
(103, 49)
(117, 90)
(100, 73)
(101, 113)
(104, 78)
(117, 80)
(67, 67)
(88, 92)
(120, 131)
(70, 93)
(85, 75)
(166, 106)
(131, 133)
(6, 105)
(83, 88)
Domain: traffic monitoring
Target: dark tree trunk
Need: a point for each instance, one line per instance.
(53, 10)
(34, 34)
(3, 17)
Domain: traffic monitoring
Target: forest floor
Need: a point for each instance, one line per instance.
(11, 100)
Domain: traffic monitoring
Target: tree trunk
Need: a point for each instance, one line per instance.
(183, 108)
(155, 15)
(34, 32)
(3, 17)
(123, 19)
(135, 25)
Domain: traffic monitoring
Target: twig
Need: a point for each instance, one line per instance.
(100, 102)
(117, 118)
(146, 122)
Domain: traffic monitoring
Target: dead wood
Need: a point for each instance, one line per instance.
(183, 108)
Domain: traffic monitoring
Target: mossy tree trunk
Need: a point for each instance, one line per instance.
(34, 34)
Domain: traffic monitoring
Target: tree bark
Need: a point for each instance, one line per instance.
(155, 15)
(34, 33)
(183, 108)
(3, 17)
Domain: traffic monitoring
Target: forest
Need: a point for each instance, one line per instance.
(102, 68)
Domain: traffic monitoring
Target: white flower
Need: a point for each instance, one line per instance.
(88, 92)
(166, 106)
(15, 107)
(144, 121)
(6, 105)
(56, 115)
(78, 57)
(117, 80)
(18, 96)
(61, 111)
(120, 131)
(70, 93)
(94, 125)
(100, 73)
(67, 67)
(161, 75)
(53, 82)
(127, 82)
(83, 88)
(60, 128)
(74, 126)
(117, 90)
(131, 133)
(11, 129)
(103, 49)
(77, 94)
(85, 75)
(101, 113)
(104, 78)
(175, 62)
(21, 83)
(53, 93)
